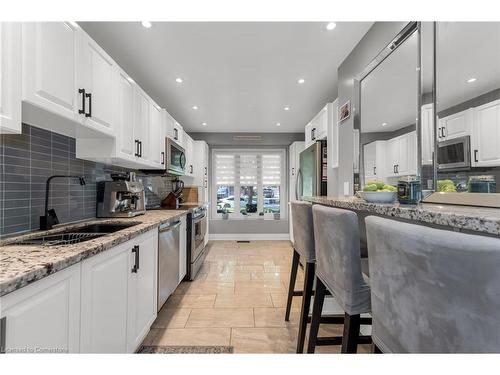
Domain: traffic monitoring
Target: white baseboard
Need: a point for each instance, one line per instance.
(248, 236)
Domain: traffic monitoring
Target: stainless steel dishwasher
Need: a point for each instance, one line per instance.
(168, 260)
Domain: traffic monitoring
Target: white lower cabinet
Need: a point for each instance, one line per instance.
(44, 317)
(119, 289)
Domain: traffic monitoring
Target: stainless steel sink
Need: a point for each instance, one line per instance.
(76, 235)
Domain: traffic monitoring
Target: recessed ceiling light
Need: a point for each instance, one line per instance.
(195, 107)
(204, 123)
(384, 124)
(146, 24)
(331, 25)
(130, 80)
(287, 108)
(470, 80)
(301, 81)
(178, 80)
(278, 124)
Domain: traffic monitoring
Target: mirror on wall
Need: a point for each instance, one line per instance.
(467, 139)
(388, 116)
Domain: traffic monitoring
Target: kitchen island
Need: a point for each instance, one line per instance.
(462, 218)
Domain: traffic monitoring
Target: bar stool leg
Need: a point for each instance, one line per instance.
(306, 303)
(319, 298)
(291, 287)
(351, 333)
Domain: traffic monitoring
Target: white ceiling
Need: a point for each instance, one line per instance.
(240, 75)
(464, 50)
(389, 93)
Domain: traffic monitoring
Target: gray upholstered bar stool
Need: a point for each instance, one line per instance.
(433, 290)
(303, 235)
(338, 270)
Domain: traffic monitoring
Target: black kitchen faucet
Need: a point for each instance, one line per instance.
(49, 219)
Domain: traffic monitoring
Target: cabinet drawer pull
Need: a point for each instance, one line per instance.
(162, 158)
(82, 110)
(89, 114)
(475, 156)
(135, 250)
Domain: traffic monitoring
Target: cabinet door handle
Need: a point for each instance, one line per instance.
(89, 114)
(191, 168)
(206, 171)
(397, 168)
(176, 134)
(136, 147)
(135, 251)
(140, 149)
(442, 132)
(374, 171)
(82, 110)
(475, 156)
(162, 158)
(3, 334)
(313, 134)
(394, 168)
(293, 171)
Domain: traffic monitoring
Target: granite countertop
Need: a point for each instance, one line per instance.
(21, 265)
(479, 219)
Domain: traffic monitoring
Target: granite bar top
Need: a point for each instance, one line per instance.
(479, 219)
(21, 265)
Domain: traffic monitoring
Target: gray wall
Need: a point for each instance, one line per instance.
(379, 35)
(26, 161)
(269, 140)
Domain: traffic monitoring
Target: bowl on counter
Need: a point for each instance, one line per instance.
(379, 196)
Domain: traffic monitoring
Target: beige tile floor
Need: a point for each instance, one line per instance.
(237, 299)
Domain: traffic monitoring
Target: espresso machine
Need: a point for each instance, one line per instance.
(121, 197)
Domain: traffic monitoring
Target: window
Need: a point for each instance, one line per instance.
(248, 183)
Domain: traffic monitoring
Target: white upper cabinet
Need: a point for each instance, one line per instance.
(457, 125)
(96, 70)
(178, 134)
(157, 135)
(427, 134)
(10, 78)
(189, 147)
(486, 135)
(169, 125)
(200, 158)
(44, 315)
(50, 65)
(401, 155)
(318, 127)
(142, 123)
(374, 160)
(124, 112)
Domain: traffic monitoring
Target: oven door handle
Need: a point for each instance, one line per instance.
(199, 218)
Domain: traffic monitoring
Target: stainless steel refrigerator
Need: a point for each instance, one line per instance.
(312, 174)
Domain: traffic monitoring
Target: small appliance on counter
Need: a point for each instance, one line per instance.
(174, 199)
(409, 190)
(121, 197)
(482, 184)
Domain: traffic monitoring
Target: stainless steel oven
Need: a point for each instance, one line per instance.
(454, 154)
(176, 158)
(197, 225)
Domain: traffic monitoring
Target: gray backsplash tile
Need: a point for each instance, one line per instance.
(26, 161)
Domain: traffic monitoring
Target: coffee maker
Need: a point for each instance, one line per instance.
(121, 197)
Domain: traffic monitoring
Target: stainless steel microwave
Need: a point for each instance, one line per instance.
(454, 154)
(176, 158)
